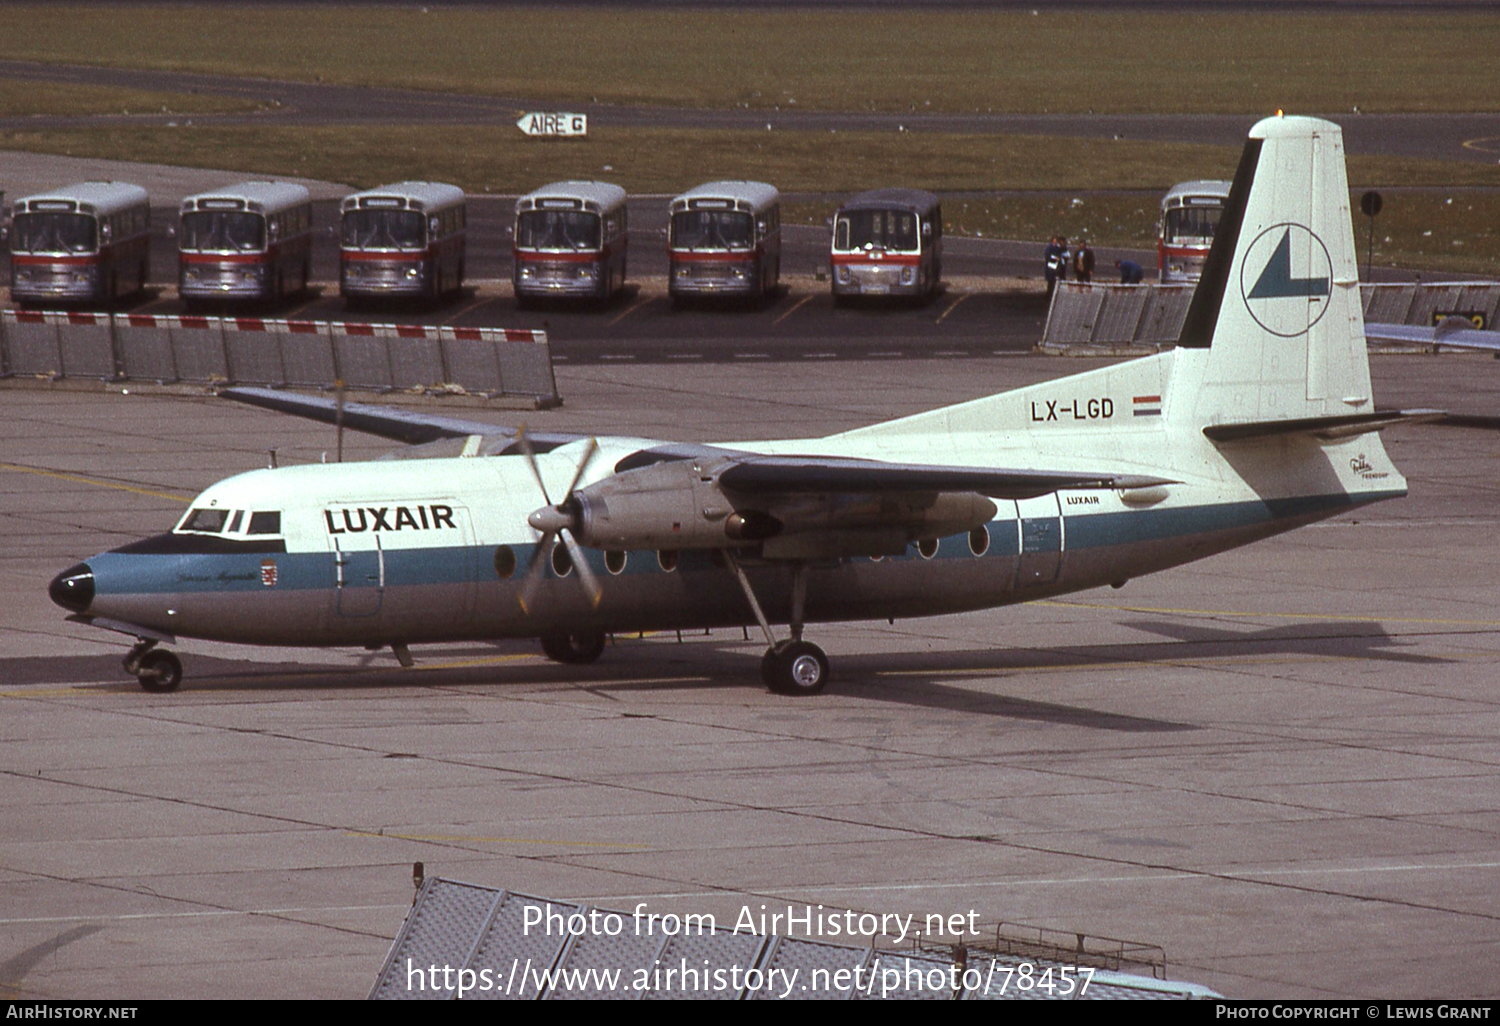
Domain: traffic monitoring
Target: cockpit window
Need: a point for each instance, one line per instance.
(264, 523)
(208, 521)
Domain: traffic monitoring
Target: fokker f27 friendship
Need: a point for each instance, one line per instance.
(1259, 421)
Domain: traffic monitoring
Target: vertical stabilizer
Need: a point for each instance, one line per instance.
(1277, 314)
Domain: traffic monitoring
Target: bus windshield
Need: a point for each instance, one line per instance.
(877, 229)
(1192, 224)
(220, 231)
(557, 229)
(712, 229)
(383, 229)
(53, 233)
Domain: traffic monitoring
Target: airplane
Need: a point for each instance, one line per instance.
(1259, 421)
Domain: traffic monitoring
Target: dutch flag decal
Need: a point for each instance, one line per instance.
(1146, 405)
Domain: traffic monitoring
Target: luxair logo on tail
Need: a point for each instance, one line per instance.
(1292, 283)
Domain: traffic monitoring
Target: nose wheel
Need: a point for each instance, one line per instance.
(156, 669)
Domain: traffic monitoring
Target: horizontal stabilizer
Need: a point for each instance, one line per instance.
(807, 474)
(1458, 332)
(1330, 428)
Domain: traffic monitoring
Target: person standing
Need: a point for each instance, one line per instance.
(1083, 262)
(1055, 261)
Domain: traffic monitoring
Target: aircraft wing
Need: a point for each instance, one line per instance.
(1452, 331)
(789, 475)
(407, 426)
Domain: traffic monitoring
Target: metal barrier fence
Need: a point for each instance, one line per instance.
(1088, 314)
(254, 351)
(1090, 317)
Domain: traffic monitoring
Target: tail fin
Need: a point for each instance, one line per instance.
(1277, 313)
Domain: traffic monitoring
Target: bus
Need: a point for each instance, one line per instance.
(89, 242)
(403, 239)
(247, 241)
(724, 239)
(1190, 213)
(887, 242)
(570, 241)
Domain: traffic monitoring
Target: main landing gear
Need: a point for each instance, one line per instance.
(793, 666)
(157, 669)
(574, 649)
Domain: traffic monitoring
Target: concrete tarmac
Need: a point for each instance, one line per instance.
(1279, 765)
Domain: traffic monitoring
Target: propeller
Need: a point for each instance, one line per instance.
(556, 521)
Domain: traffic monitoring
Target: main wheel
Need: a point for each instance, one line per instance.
(795, 668)
(573, 648)
(159, 670)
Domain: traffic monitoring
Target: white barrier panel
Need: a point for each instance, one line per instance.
(1428, 303)
(416, 357)
(55, 344)
(1086, 315)
(198, 348)
(252, 350)
(143, 350)
(307, 353)
(522, 371)
(362, 355)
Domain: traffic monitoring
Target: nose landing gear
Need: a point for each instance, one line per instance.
(157, 669)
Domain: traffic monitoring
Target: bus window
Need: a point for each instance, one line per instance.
(218, 231)
(558, 229)
(52, 233)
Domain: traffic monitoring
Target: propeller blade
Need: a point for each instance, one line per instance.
(591, 586)
(583, 464)
(539, 557)
(524, 444)
(553, 522)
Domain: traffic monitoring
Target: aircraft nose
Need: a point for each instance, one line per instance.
(73, 589)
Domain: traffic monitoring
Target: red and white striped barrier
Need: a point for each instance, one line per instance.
(276, 352)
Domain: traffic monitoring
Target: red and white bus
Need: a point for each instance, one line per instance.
(571, 240)
(89, 242)
(1190, 213)
(887, 242)
(404, 239)
(724, 239)
(247, 241)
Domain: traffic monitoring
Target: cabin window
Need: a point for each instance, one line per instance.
(265, 522)
(209, 521)
(979, 540)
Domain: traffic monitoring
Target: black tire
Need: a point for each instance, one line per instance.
(795, 668)
(573, 649)
(159, 671)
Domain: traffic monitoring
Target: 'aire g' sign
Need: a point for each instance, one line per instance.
(543, 125)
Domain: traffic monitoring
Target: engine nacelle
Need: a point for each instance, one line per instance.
(681, 505)
(673, 505)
